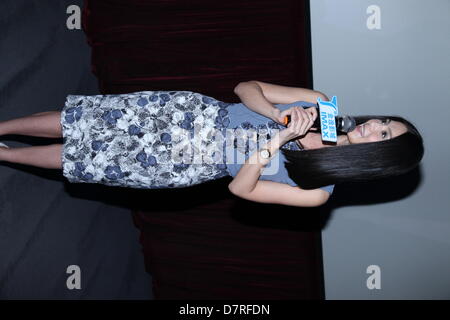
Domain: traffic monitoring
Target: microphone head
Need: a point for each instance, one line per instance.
(346, 124)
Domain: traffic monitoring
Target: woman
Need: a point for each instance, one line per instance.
(173, 139)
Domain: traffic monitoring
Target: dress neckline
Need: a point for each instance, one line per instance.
(299, 145)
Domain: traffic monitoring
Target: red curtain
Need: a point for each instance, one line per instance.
(202, 242)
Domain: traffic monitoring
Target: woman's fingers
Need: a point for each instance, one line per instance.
(290, 111)
(294, 117)
(301, 121)
(286, 112)
(302, 118)
(313, 111)
(298, 119)
(306, 124)
(283, 116)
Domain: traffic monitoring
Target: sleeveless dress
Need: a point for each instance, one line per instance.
(163, 139)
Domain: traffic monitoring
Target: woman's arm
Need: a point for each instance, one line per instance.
(246, 183)
(284, 194)
(261, 97)
(245, 180)
(253, 98)
(283, 94)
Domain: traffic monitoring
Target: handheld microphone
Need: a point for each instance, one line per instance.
(343, 123)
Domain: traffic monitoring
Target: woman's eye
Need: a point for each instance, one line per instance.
(384, 133)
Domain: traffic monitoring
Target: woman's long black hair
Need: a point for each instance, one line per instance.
(315, 168)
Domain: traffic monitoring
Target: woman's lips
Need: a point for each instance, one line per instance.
(360, 129)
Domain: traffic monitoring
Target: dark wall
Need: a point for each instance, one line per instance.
(201, 242)
(47, 224)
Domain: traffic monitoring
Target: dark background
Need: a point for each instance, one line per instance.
(199, 242)
(46, 223)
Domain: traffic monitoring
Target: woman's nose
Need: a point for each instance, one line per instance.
(373, 126)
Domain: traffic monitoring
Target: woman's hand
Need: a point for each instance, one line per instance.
(301, 122)
(276, 115)
(283, 114)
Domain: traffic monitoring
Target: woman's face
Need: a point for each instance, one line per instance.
(375, 130)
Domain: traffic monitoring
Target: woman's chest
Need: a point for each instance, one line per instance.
(311, 140)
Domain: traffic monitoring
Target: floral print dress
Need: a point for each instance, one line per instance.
(140, 139)
(164, 139)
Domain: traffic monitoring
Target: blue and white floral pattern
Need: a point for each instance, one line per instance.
(248, 137)
(129, 140)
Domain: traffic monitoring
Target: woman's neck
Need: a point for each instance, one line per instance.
(314, 141)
